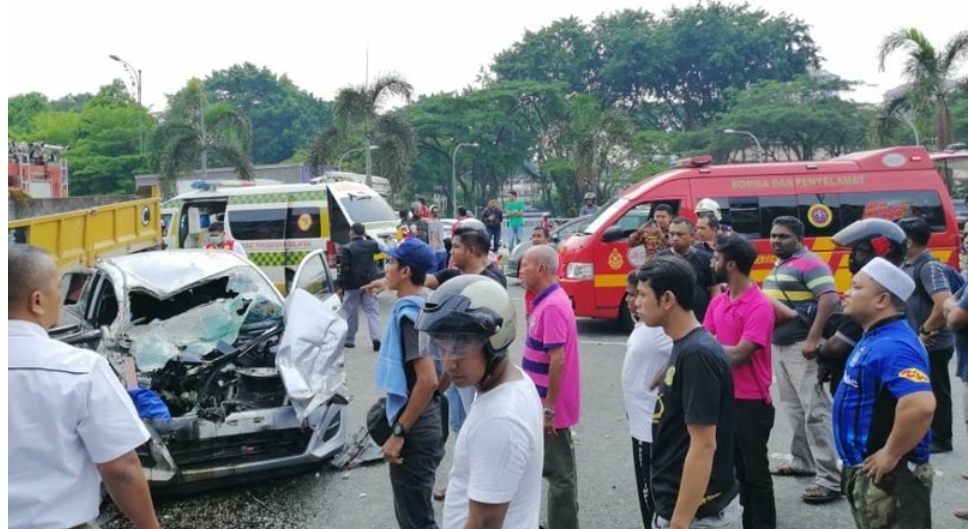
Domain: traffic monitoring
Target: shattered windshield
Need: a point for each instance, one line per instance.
(200, 319)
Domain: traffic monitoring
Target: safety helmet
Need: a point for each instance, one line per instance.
(470, 313)
(589, 196)
(708, 205)
(869, 238)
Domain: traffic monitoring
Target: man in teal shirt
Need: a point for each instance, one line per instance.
(515, 210)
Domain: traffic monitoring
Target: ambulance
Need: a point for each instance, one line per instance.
(826, 195)
(278, 225)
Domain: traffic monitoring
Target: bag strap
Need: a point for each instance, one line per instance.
(918, 285)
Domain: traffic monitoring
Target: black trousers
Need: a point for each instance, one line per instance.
(413, 481)
(642, 458)
(754, 421)
(941, 386)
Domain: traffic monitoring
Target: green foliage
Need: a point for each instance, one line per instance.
(671, 73)
(564, 52)
(71, 102)
(104, 154)
(21, 109)
(359, 124)
(283, 117)
(57, 128)
(929, 72)
(195, 133)
(798, 120)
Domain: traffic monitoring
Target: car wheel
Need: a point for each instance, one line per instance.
(625, 319)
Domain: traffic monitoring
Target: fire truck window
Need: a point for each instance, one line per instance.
(743, 215)
(773, 207)
(892, 206)
(820, 214)
(634, 218)
(258, 224)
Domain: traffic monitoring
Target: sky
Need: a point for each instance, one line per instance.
(59, 47)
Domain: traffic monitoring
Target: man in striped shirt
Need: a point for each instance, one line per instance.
(802, 279)
(551, 360)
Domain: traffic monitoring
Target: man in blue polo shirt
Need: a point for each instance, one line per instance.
(883, 408)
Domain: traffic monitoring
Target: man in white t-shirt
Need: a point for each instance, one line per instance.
(647, 354)
(495, 480)
(71, 424)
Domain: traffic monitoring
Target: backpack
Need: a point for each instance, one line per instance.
(956, 281)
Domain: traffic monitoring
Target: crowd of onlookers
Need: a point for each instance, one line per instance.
(863, 381)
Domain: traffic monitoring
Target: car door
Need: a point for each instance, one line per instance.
(313, 276)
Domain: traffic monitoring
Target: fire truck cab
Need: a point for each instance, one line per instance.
(825, 195)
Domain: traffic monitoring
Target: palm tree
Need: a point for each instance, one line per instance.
(194, 130)
(358, 107)
(928, 72)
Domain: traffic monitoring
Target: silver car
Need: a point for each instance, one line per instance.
(237, 381)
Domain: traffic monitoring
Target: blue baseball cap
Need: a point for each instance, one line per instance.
(414, 253)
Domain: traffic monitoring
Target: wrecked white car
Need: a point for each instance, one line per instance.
(252, 384)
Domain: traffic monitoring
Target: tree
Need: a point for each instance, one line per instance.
(706, 50)
(283, 116)
(597, 147)
(564, 52)
(797, 120)
(104, 153)
(72, 102)
(670, 73)
(193, 129)
(358, 121)
(22, 108)
(929, 73)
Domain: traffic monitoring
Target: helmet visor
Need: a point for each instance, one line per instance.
(455, 346)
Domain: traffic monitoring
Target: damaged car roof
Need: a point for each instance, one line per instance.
(165, 273)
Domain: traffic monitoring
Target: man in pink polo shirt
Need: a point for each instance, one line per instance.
(742, 321)
(551, 360)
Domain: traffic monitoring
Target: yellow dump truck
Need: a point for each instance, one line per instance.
(79, 230)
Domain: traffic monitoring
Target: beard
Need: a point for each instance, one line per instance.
(720, 275)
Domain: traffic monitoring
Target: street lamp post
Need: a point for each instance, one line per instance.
(453, 177)
(339, 162)
(136, 74)
(759, 148)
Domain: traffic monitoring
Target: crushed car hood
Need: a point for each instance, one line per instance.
(163, 274)
(310, 355)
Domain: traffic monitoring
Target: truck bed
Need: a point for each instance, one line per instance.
(79, 230)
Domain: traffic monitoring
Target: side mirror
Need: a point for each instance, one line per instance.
(615, 233)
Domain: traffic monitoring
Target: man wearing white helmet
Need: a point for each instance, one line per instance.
(495, 480)
(708, 224)
(590, 207)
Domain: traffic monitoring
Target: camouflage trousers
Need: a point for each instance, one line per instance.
(902, 500)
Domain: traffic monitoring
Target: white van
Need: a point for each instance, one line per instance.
(278, 225)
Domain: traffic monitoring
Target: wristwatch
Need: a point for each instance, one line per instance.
(549, 413)
(399, 430)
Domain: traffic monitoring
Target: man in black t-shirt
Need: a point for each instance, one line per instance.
(693, 423)
(681, 238)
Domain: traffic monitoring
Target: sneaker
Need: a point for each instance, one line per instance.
(349, 345)
(376, 346)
